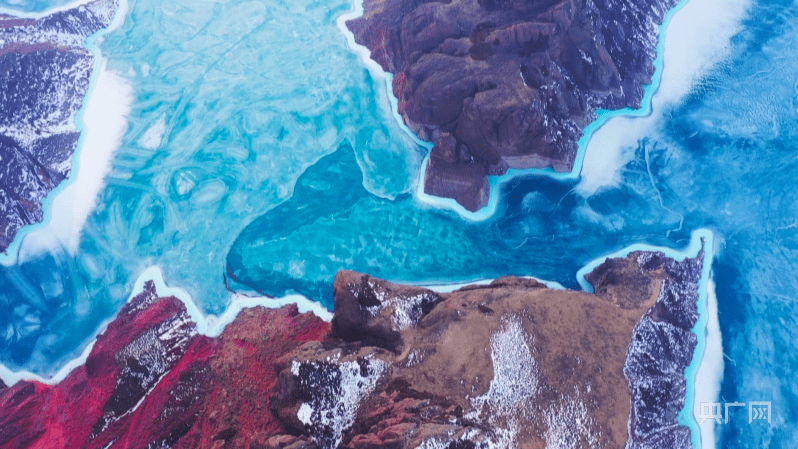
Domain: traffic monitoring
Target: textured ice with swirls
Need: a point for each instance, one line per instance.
(234, 101)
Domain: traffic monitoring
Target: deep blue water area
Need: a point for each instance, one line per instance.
(261, 156)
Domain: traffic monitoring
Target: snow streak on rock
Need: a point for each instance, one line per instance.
(332, 393)
(513, 388)
(143, 363)
(406, 310)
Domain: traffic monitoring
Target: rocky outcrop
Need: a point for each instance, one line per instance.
(662, 346)
(151, 381)
(512, 364)
(44, 78)
(508, 84)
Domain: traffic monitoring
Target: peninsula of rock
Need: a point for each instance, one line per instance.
(497, 85)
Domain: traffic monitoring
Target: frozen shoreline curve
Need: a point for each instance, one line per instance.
(102, 123)
(208, 325)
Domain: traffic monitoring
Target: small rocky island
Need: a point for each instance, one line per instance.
(45, 72)
(511, 364)
(508, 84)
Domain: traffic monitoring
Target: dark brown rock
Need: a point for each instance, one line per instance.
(508, 84)
(373, 311)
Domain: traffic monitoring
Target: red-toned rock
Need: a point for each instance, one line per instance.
(152, 381)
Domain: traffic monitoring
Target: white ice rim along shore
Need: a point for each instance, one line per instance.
(706, 367)
(705, 370)
(711, 49)
(102, 123)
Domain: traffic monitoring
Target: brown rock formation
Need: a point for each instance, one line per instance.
(508, 84)
(512, 364)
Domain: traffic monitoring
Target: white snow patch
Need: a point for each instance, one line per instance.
(514, 386)
(515, 371)
(568, 423)
(336, 410)
(304, 414)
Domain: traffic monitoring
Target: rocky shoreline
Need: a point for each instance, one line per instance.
(508, 364)
(501, 85)
(45, 78)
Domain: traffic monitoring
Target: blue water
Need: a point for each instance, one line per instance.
(281, 164)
